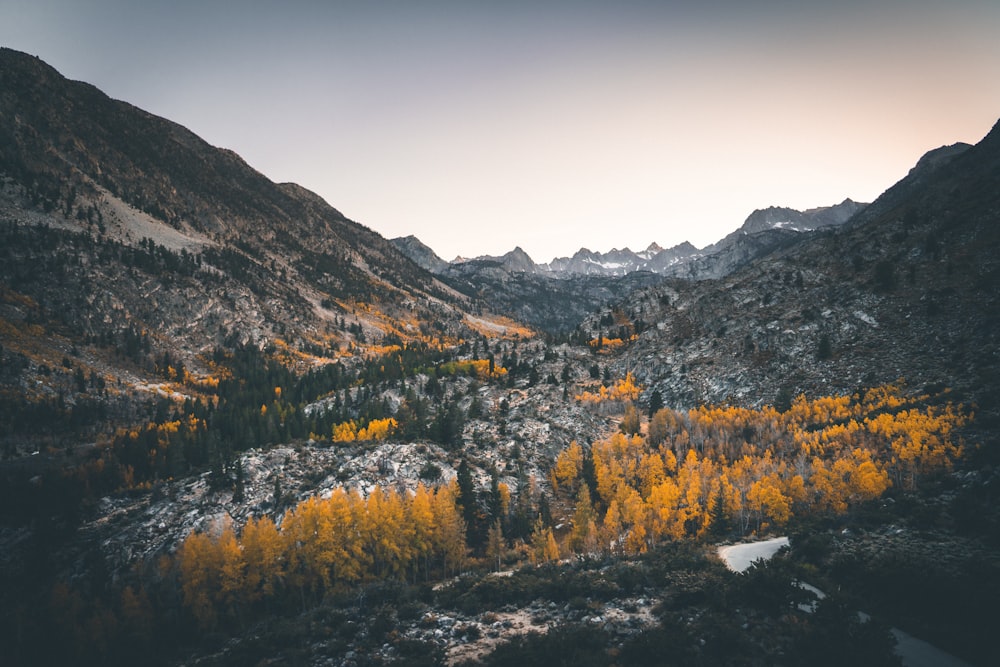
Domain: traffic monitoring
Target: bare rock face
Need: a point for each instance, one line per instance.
(420, 253)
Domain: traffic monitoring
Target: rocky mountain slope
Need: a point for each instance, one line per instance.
(763, 231)
(128, 241)
(78, 161)
(909, 288)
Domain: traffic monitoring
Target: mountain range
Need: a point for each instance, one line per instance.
(193, 357)
(764, 229)
(121, 222)
(555, 297)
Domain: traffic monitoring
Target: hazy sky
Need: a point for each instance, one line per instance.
(551, 125)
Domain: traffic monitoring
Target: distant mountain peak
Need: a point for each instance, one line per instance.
(782, 217)
(420, 253)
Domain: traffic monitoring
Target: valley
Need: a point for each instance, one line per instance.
(238, 427)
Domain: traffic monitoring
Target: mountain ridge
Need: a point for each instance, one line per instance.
(683, 259)
(119, 223)
(909, 287)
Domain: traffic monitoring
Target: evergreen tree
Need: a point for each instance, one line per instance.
(238, 491)
(719, 514)
(467, 498)
(655, 402)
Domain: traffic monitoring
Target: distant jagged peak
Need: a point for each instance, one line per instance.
(783, 217)
(518, 260)
(420, 253)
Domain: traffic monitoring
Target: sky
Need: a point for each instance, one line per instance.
(549, 125)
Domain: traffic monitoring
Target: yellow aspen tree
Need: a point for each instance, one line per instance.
(551, 546)
(634, 516)
(793, 487)
(200, 568)
(631, 423)
(385, 532)
(231, 580)
(669, 460)
(537, 541)
(660, 427)
(866, 481)
(504, 492)
(343, 552)
(421, 516)
(651, 473)
(610, 479)
(495, 543)
(611, 529)
(299, 530)
(568, 466)
(450, 533)
(378, 429)
(345, 432)
(663, 502)
(690, 482)
(262, 553)
(582, 520)
(775, 506)
(828, 487)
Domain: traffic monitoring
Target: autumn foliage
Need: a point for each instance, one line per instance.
(377, 430)
(729, 469)
(322, 545)
(621, 391)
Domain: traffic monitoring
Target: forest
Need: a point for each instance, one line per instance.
(664, 477)
(695, 476)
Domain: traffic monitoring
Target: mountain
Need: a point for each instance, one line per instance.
(616, 262)
(515, 285)
(763, 230)
(909, 287)
(776, 217)
(420, 253)
(131, 248)
(236, 426)
(84, 163)
(515, 261)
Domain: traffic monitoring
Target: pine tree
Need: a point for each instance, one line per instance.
(719, 514)
(238, 491)
(655, 402)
